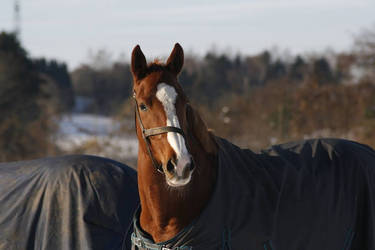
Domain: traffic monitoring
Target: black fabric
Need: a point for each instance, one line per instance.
(308, 195)
(70, 202)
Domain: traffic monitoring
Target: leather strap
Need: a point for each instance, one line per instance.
(162, 130)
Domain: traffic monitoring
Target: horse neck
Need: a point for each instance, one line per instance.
(165, 210)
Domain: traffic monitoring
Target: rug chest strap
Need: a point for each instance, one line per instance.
(137, 241)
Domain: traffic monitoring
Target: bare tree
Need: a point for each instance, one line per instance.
(365, 50)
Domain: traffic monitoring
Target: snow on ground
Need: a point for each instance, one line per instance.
(76, 124)
(95, 134)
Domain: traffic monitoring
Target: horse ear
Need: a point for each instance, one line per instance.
(200, 131)
(176, 59)
(139, 64)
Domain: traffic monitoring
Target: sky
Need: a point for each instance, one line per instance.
(67, 30)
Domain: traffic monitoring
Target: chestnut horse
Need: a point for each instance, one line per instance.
(173, 184)
(200, 191)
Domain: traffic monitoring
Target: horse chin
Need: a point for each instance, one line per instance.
(178, 182)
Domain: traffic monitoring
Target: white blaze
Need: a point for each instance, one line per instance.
(167, 95)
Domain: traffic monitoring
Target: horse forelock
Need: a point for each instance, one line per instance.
(153, 67)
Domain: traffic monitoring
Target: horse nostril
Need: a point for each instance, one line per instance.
(170, 167)
(192, 165)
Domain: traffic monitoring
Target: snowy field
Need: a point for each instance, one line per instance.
(97, 135)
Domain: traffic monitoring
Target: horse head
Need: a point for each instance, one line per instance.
(167, 126)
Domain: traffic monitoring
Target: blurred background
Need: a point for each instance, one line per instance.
(260, 72)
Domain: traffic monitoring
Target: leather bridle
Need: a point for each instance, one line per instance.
(146, 133)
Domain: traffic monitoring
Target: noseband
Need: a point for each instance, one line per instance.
(146, 133)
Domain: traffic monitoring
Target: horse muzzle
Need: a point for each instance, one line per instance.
(179, 172)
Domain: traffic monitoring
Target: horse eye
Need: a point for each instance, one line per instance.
(143, 107)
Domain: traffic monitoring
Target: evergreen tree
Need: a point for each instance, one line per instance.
(23, 124)
(298, 70)
(58, 75)
(322, 72)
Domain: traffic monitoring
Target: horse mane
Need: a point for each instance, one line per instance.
(204, 135)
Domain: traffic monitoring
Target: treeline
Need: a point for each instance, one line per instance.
(207, 80)
(279, 113)
(32, 93)
(255, 100)
(261, 99)
(60, 85)
(105, 88)
(218, 75)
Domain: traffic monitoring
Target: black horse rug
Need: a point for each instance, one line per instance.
(309, 195)
(71, 202)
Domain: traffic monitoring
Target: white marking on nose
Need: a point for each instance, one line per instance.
(167, 95)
